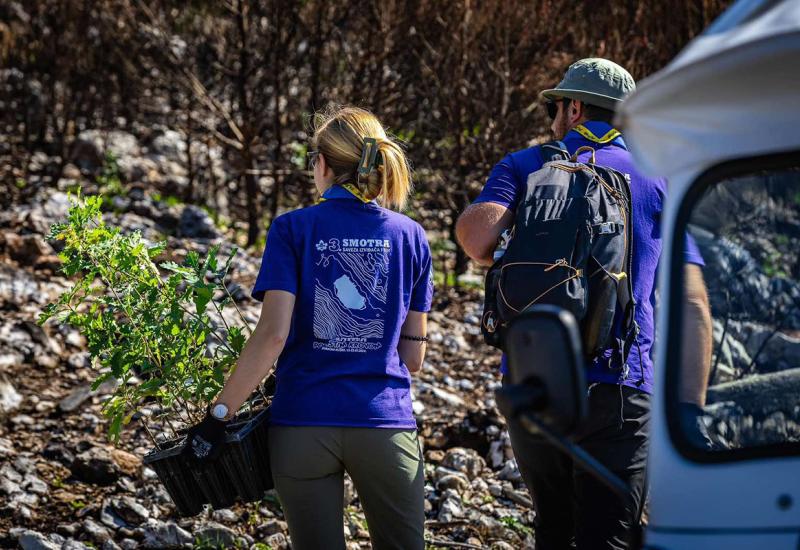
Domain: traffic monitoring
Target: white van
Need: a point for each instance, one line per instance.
(722, 124)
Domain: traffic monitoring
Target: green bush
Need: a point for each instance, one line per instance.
(154, 335)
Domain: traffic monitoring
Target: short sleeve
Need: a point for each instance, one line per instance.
(279, 265)
(502, 186)
(691, 252)
(422, 290)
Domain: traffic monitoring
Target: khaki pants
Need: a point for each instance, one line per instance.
(308, 465)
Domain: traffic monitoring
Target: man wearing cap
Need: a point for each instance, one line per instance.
(573, 509)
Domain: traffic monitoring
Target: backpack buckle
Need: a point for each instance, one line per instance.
(607, 228)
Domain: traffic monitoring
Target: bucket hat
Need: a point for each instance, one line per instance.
(595, 81)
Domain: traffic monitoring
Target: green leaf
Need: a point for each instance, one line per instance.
(155, 249)
(203, 293)
(211, 259)
(236, 339)
(115, 427)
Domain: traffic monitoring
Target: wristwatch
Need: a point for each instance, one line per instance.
(219, 411)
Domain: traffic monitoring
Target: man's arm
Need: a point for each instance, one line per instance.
(479, 227)
(696, 338)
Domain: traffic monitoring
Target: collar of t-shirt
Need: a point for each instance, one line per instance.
(599, 133)
(337, 191)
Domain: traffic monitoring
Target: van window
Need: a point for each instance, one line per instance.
(747, 228)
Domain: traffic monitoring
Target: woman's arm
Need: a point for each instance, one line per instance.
(412, 352)
(261, 351)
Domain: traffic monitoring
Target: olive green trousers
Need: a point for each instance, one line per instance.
(308, 465)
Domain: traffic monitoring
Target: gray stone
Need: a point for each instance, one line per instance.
(26, 249)
(456, 481)
(110, 518)
(89, 148)
(9, 472)
(25, 464)
(110, 545)
(448, 397)
(75, 398)
(9, 487)
(510, 471)
(35, 485)
(464, 460)
(33, 540)
(169, 144)
(79, 360)
(455, 343)
(55, 450)
(130, 510)
(225, 515)
(128, 544)
(157, 534)
(96, 532)
(518, 497)
(277, 542)
(6, 448)
(10, 398)
(451, 507)
(17, 287)
(196, 223)
(216, 534)
(95, 466)
(72, 544)
(274, 526)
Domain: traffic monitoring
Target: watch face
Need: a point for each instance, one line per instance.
(219, 411)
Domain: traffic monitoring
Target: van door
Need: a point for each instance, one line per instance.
(729, 477)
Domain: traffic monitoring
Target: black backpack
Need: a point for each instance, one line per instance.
(570, 246)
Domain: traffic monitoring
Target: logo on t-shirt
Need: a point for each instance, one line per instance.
(350, 294)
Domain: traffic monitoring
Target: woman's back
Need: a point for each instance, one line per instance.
(356, 269)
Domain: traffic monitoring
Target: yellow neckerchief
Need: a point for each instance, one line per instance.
(611, 135)
(352, 189)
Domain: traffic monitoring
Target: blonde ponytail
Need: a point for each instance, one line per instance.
(339, 135)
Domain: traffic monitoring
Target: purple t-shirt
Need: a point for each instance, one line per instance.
(356, 270)
(506, 186)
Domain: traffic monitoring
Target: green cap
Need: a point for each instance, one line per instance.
(595, 81)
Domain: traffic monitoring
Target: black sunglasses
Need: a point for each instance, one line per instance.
(552, 106)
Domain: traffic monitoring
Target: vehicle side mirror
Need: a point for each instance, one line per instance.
(546, 371)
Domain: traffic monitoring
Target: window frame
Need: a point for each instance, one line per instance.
(726, 170)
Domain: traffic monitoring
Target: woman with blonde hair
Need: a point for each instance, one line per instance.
(346, 285)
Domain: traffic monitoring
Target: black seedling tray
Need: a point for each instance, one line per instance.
(241, 472)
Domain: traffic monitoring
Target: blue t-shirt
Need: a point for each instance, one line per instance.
(506, 186)
(356, 270)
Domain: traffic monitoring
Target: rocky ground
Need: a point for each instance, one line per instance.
(64, 486)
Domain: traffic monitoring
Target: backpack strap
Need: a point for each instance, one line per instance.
(625, 297)
(554, 150)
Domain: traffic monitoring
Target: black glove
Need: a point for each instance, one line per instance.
(205, 440)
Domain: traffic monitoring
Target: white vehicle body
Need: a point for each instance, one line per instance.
(733, 93)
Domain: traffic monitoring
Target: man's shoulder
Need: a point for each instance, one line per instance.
(528, 155)
(522, 162)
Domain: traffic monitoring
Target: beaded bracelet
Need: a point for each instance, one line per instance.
(414, 338)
